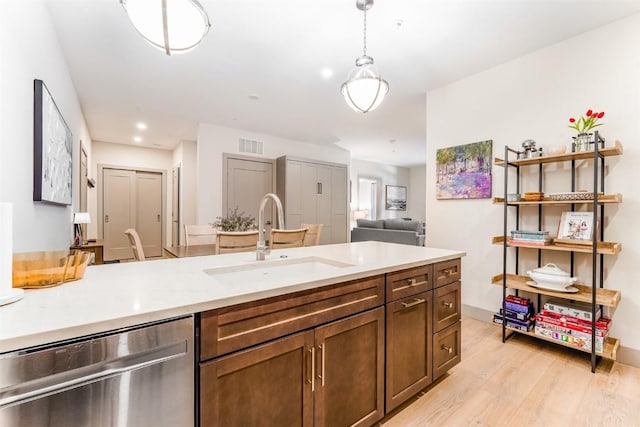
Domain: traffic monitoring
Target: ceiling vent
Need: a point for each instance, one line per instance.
(250, 146)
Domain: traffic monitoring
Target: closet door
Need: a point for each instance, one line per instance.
(339, 213)
(309, 194)
(149, 212)
(324, 191)
(119, 212)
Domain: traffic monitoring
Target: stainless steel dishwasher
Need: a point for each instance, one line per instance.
(141, 376)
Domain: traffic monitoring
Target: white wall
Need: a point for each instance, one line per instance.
(386, 175)
(213, 141)
(417, 193)
(185, 155)
(29, 50)
(533, 97)
(128, 156)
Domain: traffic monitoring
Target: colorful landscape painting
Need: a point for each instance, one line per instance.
(464, 171)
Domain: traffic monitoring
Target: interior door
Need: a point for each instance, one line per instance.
(118, 212)
(324, 209)
(84, 175)
(149, 212)
(247, 182)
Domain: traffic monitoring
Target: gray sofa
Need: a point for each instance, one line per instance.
(389, 230)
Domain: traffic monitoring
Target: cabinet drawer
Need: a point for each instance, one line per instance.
(232, 328)
(446, 349)
(446, 272)
(409, 282)
(446, 306)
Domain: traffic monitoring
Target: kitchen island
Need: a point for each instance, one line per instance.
(353, 283)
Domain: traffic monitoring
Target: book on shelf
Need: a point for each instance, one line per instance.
(541, 234)
(577, 309)
(525, 326)
(516, 315)
(518, 304)
(529, 242)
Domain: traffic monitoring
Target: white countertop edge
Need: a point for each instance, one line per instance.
(46, 336)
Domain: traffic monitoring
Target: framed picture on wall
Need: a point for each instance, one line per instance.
(52, 150)
(395, 198)
(464, 171)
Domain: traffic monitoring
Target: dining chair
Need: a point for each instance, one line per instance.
(312, 238)
(235, 241)
(199, 235)
(136, 245)
(280, 239)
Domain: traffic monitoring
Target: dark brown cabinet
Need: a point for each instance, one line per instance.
(349, 386)
(328, 372)
(339, 355)
(267, 385)
(409, 347)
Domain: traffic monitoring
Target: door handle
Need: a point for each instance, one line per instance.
(158, 218)
(319, 191)
(311, 380)
(106, 218)
(322, 355)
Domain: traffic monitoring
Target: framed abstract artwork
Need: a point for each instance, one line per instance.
(395, 198)
(52, 150)
(464, 171)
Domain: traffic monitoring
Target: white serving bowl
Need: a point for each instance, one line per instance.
(551, 275)
(557, 150)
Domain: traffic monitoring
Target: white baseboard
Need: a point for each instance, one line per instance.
(626, 355)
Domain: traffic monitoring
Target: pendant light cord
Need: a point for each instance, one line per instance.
(365, 33)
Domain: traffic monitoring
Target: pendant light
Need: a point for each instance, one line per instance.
(174, 26)
(364, 90)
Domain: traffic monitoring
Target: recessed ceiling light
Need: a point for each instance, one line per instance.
(326, 73)
(141, 126)
(137, 139)
(254, 97)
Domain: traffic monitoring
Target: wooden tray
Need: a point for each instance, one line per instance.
(35, 270)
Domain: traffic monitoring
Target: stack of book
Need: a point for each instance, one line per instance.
(571, 323)
(518, 312)
(537, 238)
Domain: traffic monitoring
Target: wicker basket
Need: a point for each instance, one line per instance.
(34, 270)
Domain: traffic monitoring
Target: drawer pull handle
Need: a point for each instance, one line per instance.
(415, 301)
(447, 349)
(412, 281)
(447, 304)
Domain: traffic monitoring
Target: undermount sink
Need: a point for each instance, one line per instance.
(275, 270)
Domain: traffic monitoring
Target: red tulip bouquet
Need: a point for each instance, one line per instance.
(585, 124)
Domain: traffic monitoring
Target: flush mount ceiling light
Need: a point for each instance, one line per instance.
(174, 26)
(365, 89)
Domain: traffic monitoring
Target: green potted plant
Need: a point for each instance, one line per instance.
(235, 221)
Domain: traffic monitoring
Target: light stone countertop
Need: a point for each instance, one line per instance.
(114, 296)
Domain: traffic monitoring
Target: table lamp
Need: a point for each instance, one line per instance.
(80, 218)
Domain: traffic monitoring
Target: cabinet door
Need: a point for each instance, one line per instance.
(268, 385)
(349, 382)
(408, 348)
(309, 193)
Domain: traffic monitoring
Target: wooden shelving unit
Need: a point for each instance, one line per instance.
(609, 350)
(604, 248)
(604, 198)
(616, 150)
(606, 297)
(594, 294)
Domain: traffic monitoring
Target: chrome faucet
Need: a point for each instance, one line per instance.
(261, 249)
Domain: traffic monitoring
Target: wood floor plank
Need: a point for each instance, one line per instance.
(524, 382)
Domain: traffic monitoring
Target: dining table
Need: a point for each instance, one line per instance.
(189, 251)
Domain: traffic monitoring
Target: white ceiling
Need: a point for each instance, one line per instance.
(276, 49)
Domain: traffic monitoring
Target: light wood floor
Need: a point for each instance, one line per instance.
(524, 382)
